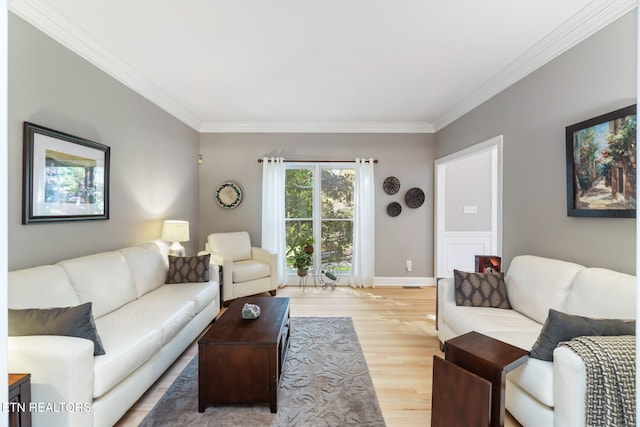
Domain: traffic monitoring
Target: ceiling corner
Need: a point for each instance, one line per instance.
(73, 38)
(597, 15)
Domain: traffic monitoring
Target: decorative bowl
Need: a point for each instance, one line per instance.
(250, 311)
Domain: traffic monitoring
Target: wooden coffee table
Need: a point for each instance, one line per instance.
(239, 360)
(488, 358)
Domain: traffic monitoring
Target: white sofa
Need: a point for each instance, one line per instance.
(541, 393)
(144, 325)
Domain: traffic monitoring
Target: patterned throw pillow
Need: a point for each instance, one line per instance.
(188, 269)
(480, 289)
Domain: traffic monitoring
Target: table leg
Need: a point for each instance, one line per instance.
(274, 378)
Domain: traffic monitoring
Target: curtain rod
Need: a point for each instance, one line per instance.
(319, 161)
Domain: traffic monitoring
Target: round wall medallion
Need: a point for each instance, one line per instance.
(394, 209)
(414, 197)
(391, 185)
(229, 195)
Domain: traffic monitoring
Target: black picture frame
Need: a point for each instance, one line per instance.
(65, 177)
(601, 165)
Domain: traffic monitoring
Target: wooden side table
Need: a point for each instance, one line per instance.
(19, 400)
(490, 359)
(460, 398)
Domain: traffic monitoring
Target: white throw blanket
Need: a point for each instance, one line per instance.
(611, 379)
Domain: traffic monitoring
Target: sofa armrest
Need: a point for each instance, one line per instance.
(214, 273)
(446, 293)
(61, 371)
(227, 273)
(270, 258)
(263, 255)
(569, 388)
(214, 267)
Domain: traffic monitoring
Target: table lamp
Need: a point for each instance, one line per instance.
(175, 231)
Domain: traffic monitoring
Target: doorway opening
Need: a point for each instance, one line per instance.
(468, 206)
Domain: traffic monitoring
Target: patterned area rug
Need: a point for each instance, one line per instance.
(325, 382)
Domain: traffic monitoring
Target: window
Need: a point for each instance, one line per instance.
(319, 209)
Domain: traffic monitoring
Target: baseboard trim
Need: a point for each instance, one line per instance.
(377, 281)
(404, 281)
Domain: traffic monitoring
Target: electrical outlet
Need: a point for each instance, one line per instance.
(408, 265)
(470, 209)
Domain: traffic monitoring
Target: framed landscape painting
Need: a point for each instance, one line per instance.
(65, 178)
(601, 165)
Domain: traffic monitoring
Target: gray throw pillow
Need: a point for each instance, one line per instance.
(480, 289)
(66, 321)
(188, 269)
(561, 327)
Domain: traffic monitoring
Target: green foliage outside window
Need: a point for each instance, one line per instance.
(71, 184)
(336, 214)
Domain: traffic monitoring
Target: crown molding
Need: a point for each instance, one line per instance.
(591, 19)
(74, 38)
(78, 41)
(588, 21)
(317, 127)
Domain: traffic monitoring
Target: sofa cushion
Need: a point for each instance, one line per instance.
(564, 327)
(244, 271)
(536, 284)
(41, 287)
(129, 342)
(147, 267)
(161, 246)
(536, 378)
(66, 321)
(169, 315)
(135, 332)
(188, 269)
(480, 289)
(505, 325)
(236, 246)
(598, 292)
(103, 279)
(202, 294)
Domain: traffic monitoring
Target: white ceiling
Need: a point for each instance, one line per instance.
(319, 65)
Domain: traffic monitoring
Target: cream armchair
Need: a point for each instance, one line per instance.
(246, 270)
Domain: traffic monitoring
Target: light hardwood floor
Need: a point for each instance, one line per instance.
(396, 328)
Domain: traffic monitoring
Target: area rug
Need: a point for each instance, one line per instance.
(325, 382)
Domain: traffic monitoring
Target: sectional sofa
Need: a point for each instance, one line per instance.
(542, 393)
(142, 323)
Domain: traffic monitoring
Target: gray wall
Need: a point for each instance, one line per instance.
(593, 78)
(154, 175)
(409, 157)
(154, 172)
(468, 183)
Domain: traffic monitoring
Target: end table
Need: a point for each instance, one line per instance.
(490, 359)
(19, 400)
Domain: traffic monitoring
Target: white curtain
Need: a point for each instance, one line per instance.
(362, 265)
(273, 226)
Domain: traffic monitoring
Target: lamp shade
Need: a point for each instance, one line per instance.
(175, 231)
